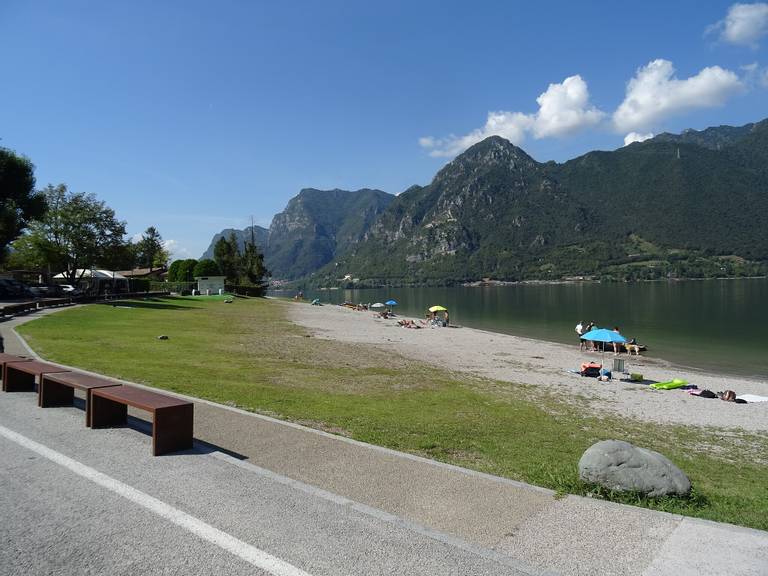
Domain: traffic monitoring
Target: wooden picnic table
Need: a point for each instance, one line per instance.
(58, 389)
(172, 418)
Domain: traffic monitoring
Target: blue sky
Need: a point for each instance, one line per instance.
(195, 116)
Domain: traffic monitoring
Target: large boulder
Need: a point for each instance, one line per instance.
(618, 465)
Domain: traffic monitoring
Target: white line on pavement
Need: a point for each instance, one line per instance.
(250, 554)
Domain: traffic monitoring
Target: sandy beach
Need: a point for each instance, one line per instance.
(545, 364)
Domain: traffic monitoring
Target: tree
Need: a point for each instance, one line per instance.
(151, 250)
(24, 255)
(182, 270)
(226, 253)
(76, 232)
(207, 267)
(251, 265)
(187, 270)
(173, 271)
(19, 202)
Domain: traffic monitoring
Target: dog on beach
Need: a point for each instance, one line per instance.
(632, 348)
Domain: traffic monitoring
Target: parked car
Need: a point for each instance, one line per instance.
(70, 290)
(11, 289)
(47, 291)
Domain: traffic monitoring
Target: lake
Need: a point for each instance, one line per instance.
(716, 325)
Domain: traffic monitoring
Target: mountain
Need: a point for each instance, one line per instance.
(695, 204)
(260, 235)
(315, 226)
(318, 224)
(714, 138)
(481, 212)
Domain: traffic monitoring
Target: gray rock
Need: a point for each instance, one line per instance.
(618, 465)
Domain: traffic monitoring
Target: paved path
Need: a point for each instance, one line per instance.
(316, 503)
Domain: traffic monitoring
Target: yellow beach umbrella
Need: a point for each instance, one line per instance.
(438, 309)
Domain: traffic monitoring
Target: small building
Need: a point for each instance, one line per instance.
(210, 284)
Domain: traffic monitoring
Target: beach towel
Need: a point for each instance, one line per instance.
(749, 398)
(671, 385)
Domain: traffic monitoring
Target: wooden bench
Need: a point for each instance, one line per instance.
(22, 375)
(58, 389)
(5, 358)
(171, 418)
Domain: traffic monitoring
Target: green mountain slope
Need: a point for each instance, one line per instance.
(318, 224)
(691, 205)
(315, 226)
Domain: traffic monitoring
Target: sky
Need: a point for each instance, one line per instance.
(195, 116)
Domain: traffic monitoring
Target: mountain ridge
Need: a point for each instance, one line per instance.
(674, 205)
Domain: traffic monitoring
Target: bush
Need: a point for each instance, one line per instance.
(207, 268)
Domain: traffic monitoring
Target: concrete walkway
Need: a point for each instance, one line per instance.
(516, 524)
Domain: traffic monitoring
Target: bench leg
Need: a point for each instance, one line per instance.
(55, 394)
(172, 429)
(106, 413)
(17, 381)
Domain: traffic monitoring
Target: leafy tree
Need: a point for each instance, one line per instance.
(76, 232)
(173, 271)
(121, 256)
(24, 255)
(19, 202)
(226, 253)
(251, 265)
(207, 268)
(151, 250)
(187, 270)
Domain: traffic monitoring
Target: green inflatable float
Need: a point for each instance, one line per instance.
(671, 385)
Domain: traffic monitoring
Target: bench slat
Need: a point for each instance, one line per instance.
(140, 398)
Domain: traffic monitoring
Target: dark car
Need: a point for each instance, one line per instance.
(47, 291)
(11, 289)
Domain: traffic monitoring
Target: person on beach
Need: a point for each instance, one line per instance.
(616, 345)
(589, 346)
(580, 332)
(446, 322)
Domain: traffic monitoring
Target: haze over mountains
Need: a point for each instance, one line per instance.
(693, 204)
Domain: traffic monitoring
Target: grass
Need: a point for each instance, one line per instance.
(248, 354)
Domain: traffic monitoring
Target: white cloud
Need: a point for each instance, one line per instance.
(655, 93)
(754, 75)
(636, 137)
(176, 251)
(563, 109)
(744, 24)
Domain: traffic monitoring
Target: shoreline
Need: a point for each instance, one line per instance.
(540, 363)
(492, 283)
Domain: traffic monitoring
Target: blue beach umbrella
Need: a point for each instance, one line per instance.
(603, 335)
(391, 302)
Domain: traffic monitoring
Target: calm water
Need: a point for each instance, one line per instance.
(718, 325)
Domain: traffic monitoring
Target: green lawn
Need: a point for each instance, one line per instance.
(248, 354)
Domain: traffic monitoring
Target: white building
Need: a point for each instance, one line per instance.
(210, 284)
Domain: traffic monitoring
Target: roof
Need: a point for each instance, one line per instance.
(137, 272)
(98, 274)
